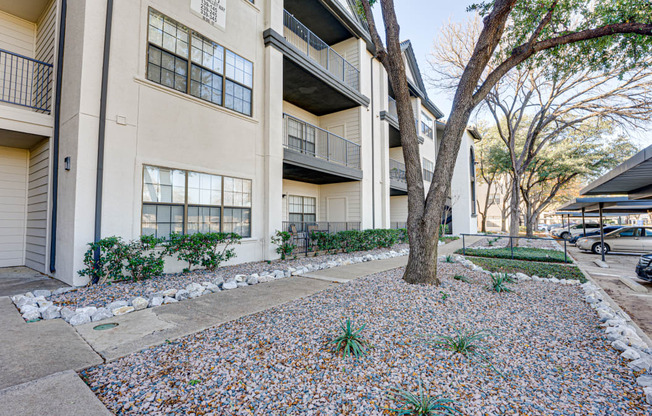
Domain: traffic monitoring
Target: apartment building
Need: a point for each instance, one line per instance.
(131, 117)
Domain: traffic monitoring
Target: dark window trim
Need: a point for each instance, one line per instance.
(187, 204)
(189, 61)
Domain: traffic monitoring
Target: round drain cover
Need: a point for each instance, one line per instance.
(104, 327)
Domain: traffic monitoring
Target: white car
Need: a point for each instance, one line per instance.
(575, 230)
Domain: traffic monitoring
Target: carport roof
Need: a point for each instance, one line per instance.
(620, 205)
(633, 177)
(593, 215)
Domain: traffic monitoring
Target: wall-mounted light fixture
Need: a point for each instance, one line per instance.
(66, 162)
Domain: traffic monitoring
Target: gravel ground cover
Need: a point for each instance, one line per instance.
(102, 295)
(544, 338)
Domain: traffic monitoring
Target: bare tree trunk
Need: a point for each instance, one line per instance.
(483, 222)
(514, 203)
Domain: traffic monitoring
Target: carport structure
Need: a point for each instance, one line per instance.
(606, 206)
(632, 179)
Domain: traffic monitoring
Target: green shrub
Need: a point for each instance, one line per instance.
(530, 268)
(421, 403)
(461, 278)
(349, 341)
(449, 259)
(110, 263)
(285, 247)
(120, 260)
(356, 240)
(142, 259)
(201, 249)
(520, 253)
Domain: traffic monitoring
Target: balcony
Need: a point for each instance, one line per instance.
(25, 82)
(397, 181)
(315, 155)
(391, 116)
(316, 49)
(315, 77)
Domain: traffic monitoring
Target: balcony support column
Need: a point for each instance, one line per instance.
(273, 151)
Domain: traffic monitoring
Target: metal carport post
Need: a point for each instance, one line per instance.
(583, 222)
(601, 205)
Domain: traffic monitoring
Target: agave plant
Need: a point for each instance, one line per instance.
(467, 343)
(421, 403)
(461, 278)
(498, 282)
(349, 341)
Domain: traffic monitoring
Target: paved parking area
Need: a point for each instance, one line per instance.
(638, 304)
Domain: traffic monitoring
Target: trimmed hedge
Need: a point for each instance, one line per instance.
(520, 253)
(355, 240)
(530, 268)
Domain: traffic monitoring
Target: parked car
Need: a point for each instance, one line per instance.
(627, 239)
(608, 229)
(575, 230)
(644, 267)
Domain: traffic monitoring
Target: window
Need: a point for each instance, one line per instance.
(217, 75)
(182, 201)
(426, 125)
(630, 232)
(428, 170)
(646, 232)
(302, 209)
(301, 136)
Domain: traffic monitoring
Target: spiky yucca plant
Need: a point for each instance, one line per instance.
(467, 343)
(421, 403)
(498, 282)
(461, 278)
(449, 259)
(349, 341)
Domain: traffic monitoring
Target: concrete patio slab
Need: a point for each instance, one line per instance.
(35, 350)
(18, 280)
(150, 327)
(57, 394)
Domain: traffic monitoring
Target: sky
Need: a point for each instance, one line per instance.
(421, 22)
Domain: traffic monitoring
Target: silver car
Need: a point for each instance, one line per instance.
(627, 239)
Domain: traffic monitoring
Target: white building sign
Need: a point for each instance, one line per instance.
(212, 11)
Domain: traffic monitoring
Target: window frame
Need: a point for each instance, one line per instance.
(186, 203)
(428, 127)
(428, 175)
(303, 212)
(190, 63)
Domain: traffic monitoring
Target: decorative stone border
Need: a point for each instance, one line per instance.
(623, 336)
(35, 305)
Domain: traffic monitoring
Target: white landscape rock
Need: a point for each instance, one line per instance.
(123, 310)
(155, 301)
(51, 312)
(648, 394)
(101, 313)
(117, 304)
(67, 313)
(630, 354)
(89, 310)
(182, 295)
(80, 318)
(139, 303)
(44, 293)
(229, 285)
(212, 287)
(169, 299)
(252, 280)
(31, 313)
(619, 345)
(644, 380)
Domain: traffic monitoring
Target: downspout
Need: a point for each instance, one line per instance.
(102, 131)
(373, 153)
(55, 138)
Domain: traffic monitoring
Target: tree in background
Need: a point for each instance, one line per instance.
(586, 153)
(558, 31)
(538, 104)
(491, 171)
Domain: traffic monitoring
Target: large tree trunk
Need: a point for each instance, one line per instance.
(422, 261)
(514, 203)
(483, 223)
(529, 219)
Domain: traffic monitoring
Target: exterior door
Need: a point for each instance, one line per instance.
(13, 200)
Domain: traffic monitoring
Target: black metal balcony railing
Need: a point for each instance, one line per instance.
(314, 141)
(300, 36)
(300, 231)
(397, 171)
(25, 81)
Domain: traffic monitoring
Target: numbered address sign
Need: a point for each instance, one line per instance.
(212, 11)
